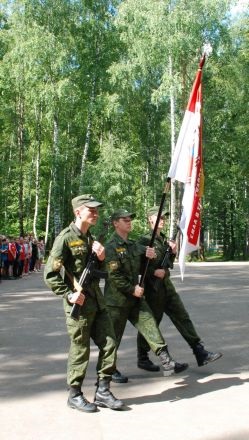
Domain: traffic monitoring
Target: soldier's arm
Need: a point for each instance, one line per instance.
(52, 272)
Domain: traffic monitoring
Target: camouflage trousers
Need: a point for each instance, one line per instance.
(141, 317)
(93, 324)
(166, 300)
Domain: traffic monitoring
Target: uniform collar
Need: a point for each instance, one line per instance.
(120, 239)
(77, 231)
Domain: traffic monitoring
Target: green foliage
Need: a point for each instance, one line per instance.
(94, 79)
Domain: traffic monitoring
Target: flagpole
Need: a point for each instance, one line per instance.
(192, 98)
(153, 236)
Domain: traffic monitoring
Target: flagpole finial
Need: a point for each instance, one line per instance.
(207, 49)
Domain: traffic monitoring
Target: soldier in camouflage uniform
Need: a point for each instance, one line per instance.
(124, 297)
(69, 254)
(163, 298)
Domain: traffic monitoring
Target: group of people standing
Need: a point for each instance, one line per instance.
(103, 317)
(20, 256)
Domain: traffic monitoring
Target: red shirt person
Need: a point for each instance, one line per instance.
(11, 255)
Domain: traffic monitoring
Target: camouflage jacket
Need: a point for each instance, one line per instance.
(70, 252)
(123, 264)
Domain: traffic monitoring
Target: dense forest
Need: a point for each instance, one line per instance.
(93, 93)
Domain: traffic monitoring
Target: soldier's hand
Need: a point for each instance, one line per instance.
(99, 250)
(173, 246)
(76, 298)
(160, 273)
(138, 292)
(150, 253)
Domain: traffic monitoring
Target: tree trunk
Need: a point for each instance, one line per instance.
(56, 180)
(88, 137)
(48, 211)
(172, 127)
(37, 176)
(233, 245)
(20, 129)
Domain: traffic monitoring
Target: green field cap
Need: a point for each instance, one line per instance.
(86, 200)
(154, 211)
(122, 213)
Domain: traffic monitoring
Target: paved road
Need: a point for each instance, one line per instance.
(208, 403)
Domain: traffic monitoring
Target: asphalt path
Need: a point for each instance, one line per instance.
(207, 403)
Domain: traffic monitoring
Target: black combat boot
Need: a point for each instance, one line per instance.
(203, 356)
(104, 397)
(144, 362)
(117, 377)
(76, 400)
(169, 365)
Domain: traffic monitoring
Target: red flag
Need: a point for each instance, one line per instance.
(186, 166)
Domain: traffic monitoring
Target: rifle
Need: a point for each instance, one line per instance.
(89, 273)
(166, 188)
(167, 261)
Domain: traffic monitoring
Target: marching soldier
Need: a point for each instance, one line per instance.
(125, 298)
(70, 252)
(162, 298)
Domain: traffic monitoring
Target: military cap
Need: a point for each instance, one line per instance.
(86, 200)
(122, 213)
(154, 211)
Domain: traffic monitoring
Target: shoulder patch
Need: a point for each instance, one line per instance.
(57, 264)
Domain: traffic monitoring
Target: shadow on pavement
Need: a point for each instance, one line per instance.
(188, 388)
